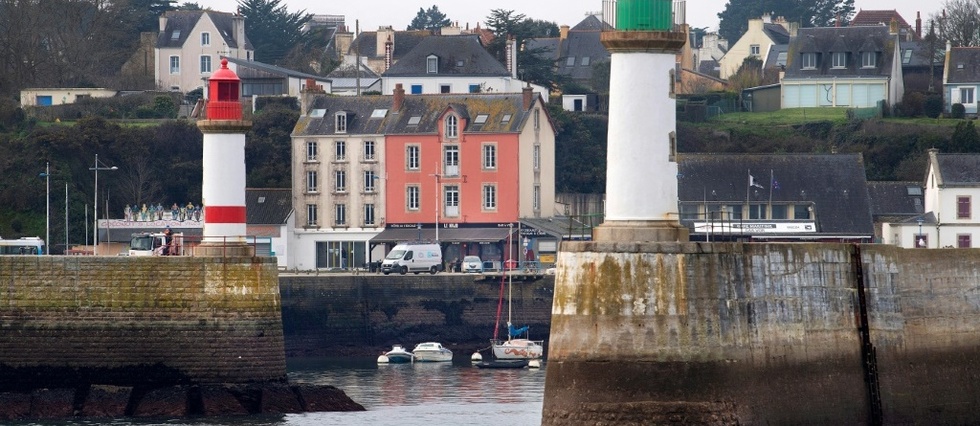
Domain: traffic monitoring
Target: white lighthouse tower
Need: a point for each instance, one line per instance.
(223, 186)
(641, 172)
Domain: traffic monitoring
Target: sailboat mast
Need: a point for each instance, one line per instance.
(510, 275)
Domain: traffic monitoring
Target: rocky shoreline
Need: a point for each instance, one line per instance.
(105, 401)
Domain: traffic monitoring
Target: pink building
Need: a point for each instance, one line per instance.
(462, 169)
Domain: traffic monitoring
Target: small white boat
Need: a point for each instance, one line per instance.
(518, 349)
(398, 355)
(432, 352)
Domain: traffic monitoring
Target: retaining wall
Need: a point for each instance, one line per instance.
(334, 314)
(762, 334)
(66, 320)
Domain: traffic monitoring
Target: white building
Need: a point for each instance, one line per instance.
(191, 43)
(950, 220)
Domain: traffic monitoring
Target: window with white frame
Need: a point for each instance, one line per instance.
(205, 64)
(966, 95)
(536, 202)
(413, 155)
(205, 39)
(340, 150)
(489, 197)
(311, 151)
(369, 178)
(452, 126)
(537, 157)
(340, 180)
(451, 197)
(412, 197)
(369, 214)
(839, 60)
(489, 156)
(451, 160)
(340, 122)
(432, 64)
(809, 61)
(754, 50)
(369, 154)
(175, 64)
(311, 213)
(340, 214)
(311, 181)
(869, 59)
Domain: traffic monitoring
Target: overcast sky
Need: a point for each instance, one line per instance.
(399, 13)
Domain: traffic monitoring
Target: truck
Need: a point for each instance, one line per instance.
(155, 244)
(413, 257)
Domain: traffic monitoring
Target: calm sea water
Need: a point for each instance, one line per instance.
(398, 394)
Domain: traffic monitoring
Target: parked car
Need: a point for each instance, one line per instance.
(472, 264)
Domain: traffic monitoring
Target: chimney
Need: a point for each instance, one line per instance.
(766, 18)
(397, 98)
(511, 53)
(163, 22)
(563, 32)
(389, 47)
(528, 93)
(918, 25)
(893, 26)
(382, 37)
(238, 26)
(837, 21)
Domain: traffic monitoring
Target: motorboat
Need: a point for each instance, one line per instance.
(432, 352)
(398, 355)
(503, 363)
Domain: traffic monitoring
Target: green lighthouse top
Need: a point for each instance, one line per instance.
(644, 15)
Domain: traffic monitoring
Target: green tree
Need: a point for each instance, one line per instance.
(965, 138)
(580, 151)
(533, 65)
(429, 19)
(147, 13)
(734, 20)
(272, 29)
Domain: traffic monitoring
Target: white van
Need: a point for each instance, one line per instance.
(413, 257)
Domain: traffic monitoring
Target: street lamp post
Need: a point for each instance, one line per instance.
(95, 205)
(47, 210)
(918, 238)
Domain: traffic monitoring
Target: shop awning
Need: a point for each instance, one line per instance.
(449, 235)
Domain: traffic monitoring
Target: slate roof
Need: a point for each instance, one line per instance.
(184, 22)
(773, 59)
(895, 198)
(428, 109)
(268, 206)
(459, 55)
(834, 183)
(582, 42)
(852, 40)
(254, 69)
(964, 65)
(956, 169)
(920, 56)
(776, 32)
(404, 41)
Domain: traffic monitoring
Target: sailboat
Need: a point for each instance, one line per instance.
(517, 346)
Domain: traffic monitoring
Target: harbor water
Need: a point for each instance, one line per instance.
(394, 394)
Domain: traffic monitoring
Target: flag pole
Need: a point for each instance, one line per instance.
(772, 177)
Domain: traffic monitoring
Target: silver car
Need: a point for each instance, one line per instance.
(472, 264)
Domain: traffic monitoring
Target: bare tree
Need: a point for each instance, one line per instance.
(959, 22)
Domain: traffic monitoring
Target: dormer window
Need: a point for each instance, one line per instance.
(839, 60)
(340, 122)
(175, 35)
(432, 64)
(809, 61)
(452, 126)
(869, 59)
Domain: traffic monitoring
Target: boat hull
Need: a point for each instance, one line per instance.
(502, 363)
(434, 356)
(399, 358)
(518, 349)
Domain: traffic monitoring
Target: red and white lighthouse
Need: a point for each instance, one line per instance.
(223, 186)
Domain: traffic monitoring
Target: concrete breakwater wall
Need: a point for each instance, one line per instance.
(764, 334)
(365, 314)
(84, 336)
